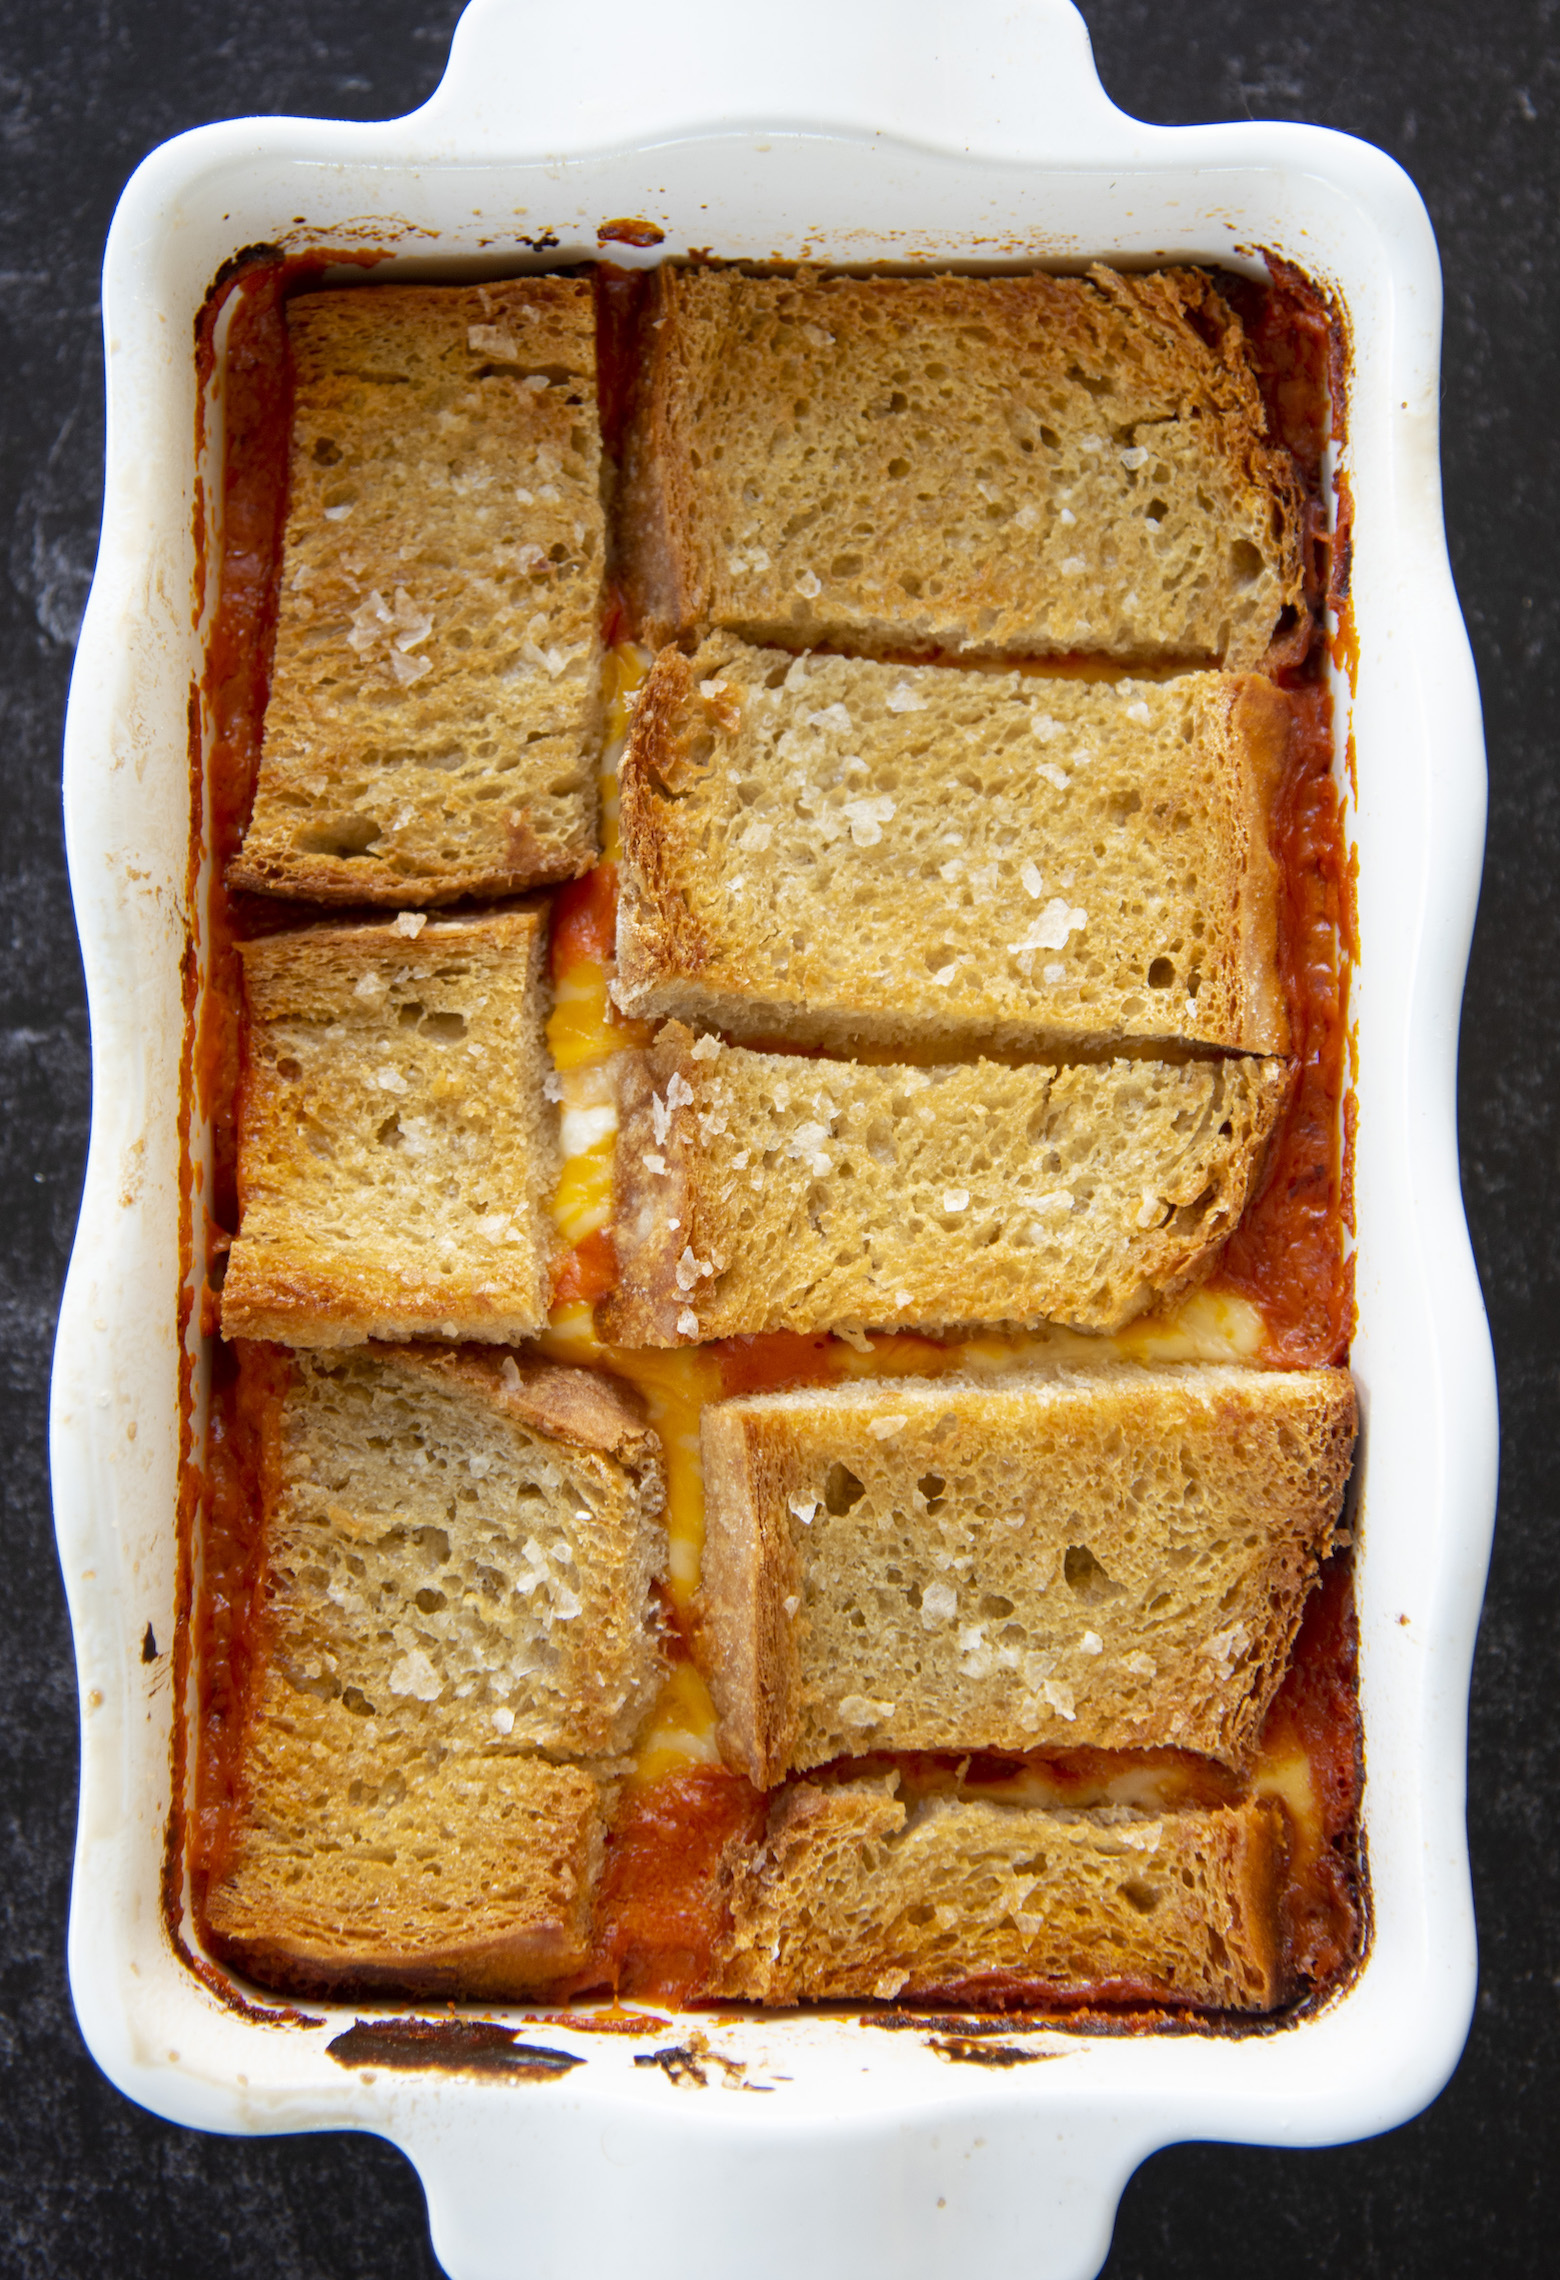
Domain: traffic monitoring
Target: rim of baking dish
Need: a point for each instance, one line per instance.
(976, 114)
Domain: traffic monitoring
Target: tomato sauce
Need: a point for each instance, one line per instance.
(659, 1915)
(584, 921)
(248, 1385)
(1287, 1256)
(1316, 1714)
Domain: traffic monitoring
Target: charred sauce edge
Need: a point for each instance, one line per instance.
(660, 1911)
(450, 2046)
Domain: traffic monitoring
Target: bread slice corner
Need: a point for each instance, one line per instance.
(464, 1878)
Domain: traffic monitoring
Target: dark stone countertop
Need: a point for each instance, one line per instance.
(1468, 98)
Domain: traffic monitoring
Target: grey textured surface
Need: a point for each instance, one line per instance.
(1468, 97)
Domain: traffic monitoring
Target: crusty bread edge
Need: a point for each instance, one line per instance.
(582, 1407)
(747, 1641)
(1259, 726)
(644, 1307)
(656, 932)
(655, 486)
(343, 881)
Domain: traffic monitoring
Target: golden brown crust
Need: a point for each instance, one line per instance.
(757, 385)
(853, 1894)
(751, 1584)
(656, 483)
(369, 1054)
(434, 713)
(580, 1406)
(1262, 722)
(474, 1878)
(758, 1192)
(851, 854)
(1113, 1557)
(671, 735)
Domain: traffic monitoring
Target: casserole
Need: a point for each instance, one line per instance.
(981, 137)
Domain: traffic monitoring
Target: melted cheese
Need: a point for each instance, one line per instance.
(680, 1731)
(583, 1201)
(1286, 1773)
(580, 1032)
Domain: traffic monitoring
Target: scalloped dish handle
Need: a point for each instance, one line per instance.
(521, 79)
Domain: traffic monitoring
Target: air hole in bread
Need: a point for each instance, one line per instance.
(327, 452)
(841, 1490)
(1141, 1896)
(1083, 1574)
(1160, 976)
(346, 836)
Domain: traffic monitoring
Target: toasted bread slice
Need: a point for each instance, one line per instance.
(464, 1876)
(840, 852)
(458, 1554)
(1005, 465)
(434, 712)
(396, 1151)
(1114, 1558)
(763, 1191)
(462, 1548)
(854, 1893)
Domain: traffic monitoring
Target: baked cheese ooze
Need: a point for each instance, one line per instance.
(583, 1033)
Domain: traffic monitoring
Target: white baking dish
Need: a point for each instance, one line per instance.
(900, 130)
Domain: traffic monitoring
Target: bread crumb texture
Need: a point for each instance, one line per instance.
(459, 1876)
(1023, 465)
(833, 850)
(397, 1154)
(459, 1546)
(806, 1195)
(460, 1552)
(854, 1893)
(433, 720)
(1115, 1558)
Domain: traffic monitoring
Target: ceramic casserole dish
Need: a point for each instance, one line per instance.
(899, 131)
